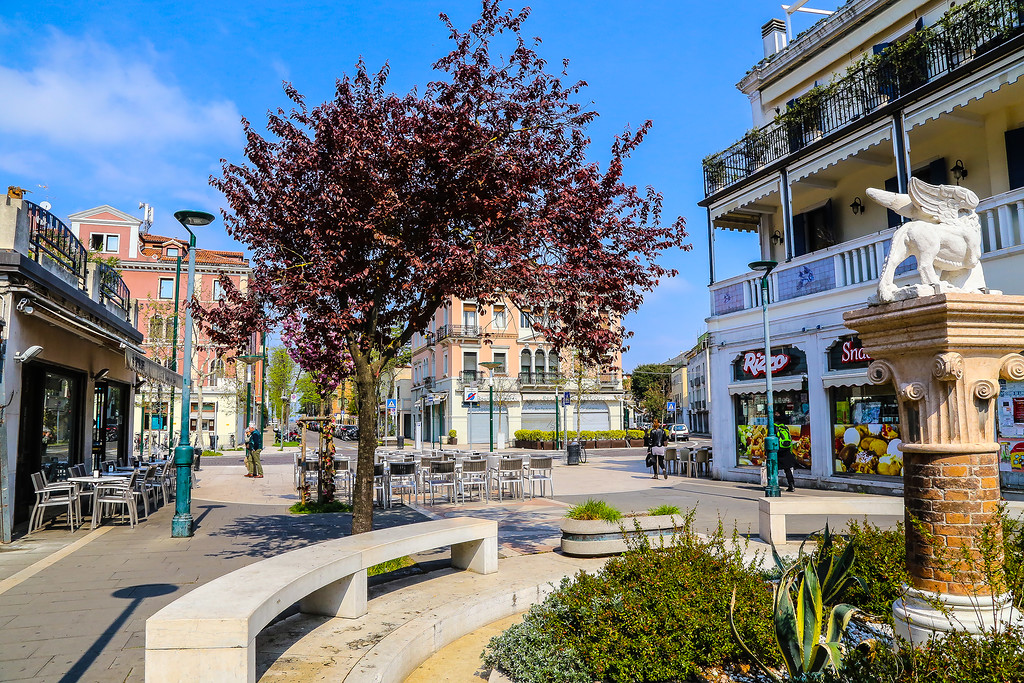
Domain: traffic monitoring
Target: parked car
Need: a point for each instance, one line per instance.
(679, 433)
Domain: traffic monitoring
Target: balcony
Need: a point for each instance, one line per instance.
(53, 245)
(540, 379)
(458, 332)
(960, 37)
(113, 292)
(859, 261)
(426, 382)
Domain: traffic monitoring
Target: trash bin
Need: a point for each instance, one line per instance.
(213, 442)
(401, 441)
(198, 453)
(572, 454)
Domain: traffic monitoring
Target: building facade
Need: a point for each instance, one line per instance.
(70, 359)
(698, 367)
(451, 385)
(155, 268)
(871, 96)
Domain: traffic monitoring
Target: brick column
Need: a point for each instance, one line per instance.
(944, 355)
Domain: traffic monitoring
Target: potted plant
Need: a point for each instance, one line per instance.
(594, 528)
(452, 437)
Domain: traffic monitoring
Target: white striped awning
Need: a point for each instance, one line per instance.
(758, 386)
(846, 378)
(1007, 71)
(833, 154)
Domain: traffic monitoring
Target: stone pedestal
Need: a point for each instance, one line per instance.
(944, 354)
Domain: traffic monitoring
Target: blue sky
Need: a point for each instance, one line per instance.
(120, 102)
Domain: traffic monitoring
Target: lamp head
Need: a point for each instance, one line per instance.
(28, 354)
(763, 266)
(193, 219)
(101, 374)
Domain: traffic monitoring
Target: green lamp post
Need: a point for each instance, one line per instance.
(771, 442)
(181, 523)
(492, 365)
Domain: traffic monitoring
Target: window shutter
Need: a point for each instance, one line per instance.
(1015, 157)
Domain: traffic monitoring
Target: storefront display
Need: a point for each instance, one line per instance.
(788, 365)
(866, 432)
(790, 410)
(1011, 425)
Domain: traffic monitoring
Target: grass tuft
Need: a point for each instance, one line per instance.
(594, 509)
(312, 508)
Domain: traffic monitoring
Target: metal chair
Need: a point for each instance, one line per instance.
(380, 485)
(510, 473)
(442, 476)
(540, 469)
(402, 478)
(702, 462)
(343, 476)
(474, 473)
(63, 494)
(672, 460)
(116, 492)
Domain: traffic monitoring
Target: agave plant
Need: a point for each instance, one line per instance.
(814, 581)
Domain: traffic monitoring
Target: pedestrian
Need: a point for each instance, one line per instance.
(659, 437)
(786, 460)
(253, 446)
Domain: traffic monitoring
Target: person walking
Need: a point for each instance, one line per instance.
(659, 437)
(254, 446)
(786, 460)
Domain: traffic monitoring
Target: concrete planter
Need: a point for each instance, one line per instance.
(592, 538)
(636, 443)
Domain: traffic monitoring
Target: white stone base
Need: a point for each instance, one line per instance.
(916, 617)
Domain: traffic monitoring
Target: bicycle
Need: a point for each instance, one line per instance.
(583, 452)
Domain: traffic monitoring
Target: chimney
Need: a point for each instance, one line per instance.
(774, 36)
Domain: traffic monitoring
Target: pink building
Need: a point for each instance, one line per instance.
(149, 267)
(448, 359)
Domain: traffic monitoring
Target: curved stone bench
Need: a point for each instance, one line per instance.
(210, 633)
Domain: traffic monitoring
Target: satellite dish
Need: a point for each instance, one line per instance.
(45, 206)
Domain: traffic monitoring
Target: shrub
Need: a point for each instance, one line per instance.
(652, 614)
(616, 434)
(520, 434)
(390, 566)
(593, 509)
(956, 658)
(664, 510)
(588, 435)
(635, 433)
(210, 454)
(312, 508)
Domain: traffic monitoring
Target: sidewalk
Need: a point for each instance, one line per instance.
(73, 606)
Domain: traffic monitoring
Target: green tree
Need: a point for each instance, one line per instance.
(648, 375)
(282, 373)
(654, 402)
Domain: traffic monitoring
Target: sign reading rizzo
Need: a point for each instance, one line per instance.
(785, 361)
(754, 363)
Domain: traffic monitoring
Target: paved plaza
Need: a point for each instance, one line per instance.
(73, 606)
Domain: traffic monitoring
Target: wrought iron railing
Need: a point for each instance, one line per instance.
(961, 35)
(112, 287)
(471, 375)
(534, 379)
(49, 237)
(446, 331)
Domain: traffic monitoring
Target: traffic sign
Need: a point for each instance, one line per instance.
(392, 404)
(566, 398)
(471, 395)
(295, 397)
(670, 406)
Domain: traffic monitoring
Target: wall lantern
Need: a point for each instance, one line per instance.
(959, 172)
(776, 237)
(857, 206)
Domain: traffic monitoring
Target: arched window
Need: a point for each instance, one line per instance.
(525, 361)
(540, 361)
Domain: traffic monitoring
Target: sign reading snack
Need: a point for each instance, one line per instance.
(847, 354)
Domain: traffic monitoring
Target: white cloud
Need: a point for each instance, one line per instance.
(83, 93)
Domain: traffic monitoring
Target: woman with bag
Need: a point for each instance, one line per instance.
(658, 439)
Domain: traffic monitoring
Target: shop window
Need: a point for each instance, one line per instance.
(866, 431)
(791, 410)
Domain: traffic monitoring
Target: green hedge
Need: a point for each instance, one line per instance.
(587, 435)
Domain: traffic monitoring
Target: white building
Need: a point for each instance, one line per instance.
(947, 107)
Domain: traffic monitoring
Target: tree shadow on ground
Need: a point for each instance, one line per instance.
(261, 536)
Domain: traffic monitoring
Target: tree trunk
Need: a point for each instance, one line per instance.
(366, 389)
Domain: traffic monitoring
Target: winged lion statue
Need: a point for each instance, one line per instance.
(944, 233)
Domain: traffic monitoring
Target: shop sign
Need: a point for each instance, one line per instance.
(848, 353)
(754, 363)
(786, 361)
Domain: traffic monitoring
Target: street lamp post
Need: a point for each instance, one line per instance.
(174, 349)
(771, 442)
(181, 524)
(491, 365)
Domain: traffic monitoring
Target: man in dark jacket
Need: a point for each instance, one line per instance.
(659, 437)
